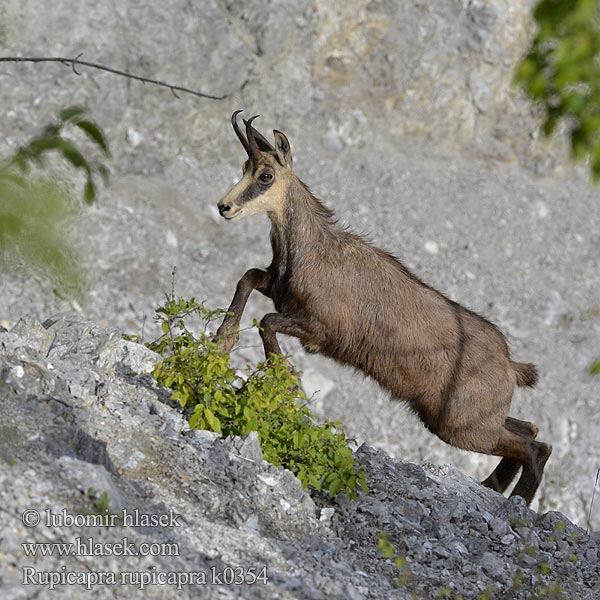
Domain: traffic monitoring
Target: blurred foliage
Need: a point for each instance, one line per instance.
(562, 73)
(268, 400)
(38, 205)
(33, 217)
(388, 551)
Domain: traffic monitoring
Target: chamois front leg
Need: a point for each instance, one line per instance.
(253, 279)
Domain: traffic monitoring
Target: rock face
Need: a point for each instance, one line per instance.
(80, 418)
(401, 118)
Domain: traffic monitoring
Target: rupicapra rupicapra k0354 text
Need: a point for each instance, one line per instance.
(346, 299)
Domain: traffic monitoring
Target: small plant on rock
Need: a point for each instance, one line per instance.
(268, 400)
(388, 550)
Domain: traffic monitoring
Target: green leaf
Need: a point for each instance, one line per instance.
(595, 368)
(195, 418)
(104, 173)
(89, 193)
(52, 130)
(40, 145)
(385, 546)
(72, 113)
(538, 86)
(579, 144)
(224, 412)
(525, 71)
(335, 486)
(314, 481)
(94, 133)
(595, 162)
(212, 420)
(363, 482)
(73, 155)
(67, 148)
(574, 103)
(20, 160)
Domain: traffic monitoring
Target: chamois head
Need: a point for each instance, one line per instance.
(266, 174)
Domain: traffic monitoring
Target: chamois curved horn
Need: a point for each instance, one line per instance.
(238, 132)
(263, 143)
(250, 134)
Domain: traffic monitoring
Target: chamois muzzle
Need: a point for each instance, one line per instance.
(223, 208)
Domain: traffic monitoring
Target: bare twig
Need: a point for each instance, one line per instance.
(72, 62)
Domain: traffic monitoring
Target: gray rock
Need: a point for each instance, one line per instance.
(247, 448)
(493, 565)
(225, 507)
(499, 526)
(133, 359)
(91, 479)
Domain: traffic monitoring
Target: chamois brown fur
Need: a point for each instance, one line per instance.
(346, 299)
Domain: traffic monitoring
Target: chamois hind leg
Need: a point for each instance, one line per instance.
(507, 469)
(528, 453)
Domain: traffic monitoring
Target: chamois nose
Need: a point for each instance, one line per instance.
(223, 208)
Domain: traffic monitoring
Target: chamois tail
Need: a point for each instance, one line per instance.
(527, 374)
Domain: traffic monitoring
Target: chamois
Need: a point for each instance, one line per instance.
(346, 299)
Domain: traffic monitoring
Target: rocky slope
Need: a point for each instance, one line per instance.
(401, 117)
(80, 419)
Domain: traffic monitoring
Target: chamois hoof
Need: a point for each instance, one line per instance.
(292, 371)
(225, 342)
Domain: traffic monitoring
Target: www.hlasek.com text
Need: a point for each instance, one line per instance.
(88, 547)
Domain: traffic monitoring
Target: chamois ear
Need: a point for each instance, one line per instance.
(282, 149)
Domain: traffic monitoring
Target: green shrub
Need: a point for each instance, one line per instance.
(561, 72)
(269, 401)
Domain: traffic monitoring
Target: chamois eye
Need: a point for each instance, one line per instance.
(265, 177)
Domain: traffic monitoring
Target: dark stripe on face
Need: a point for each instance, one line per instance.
(252, 191)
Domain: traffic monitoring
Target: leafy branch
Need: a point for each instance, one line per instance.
(73, 62)
(561, 73)
(36, 207)
(51, 139)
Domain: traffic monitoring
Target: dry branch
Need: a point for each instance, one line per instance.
(73, 62)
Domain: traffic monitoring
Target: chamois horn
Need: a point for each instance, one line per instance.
(251, 134)
(263, 143)
(238, 132)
